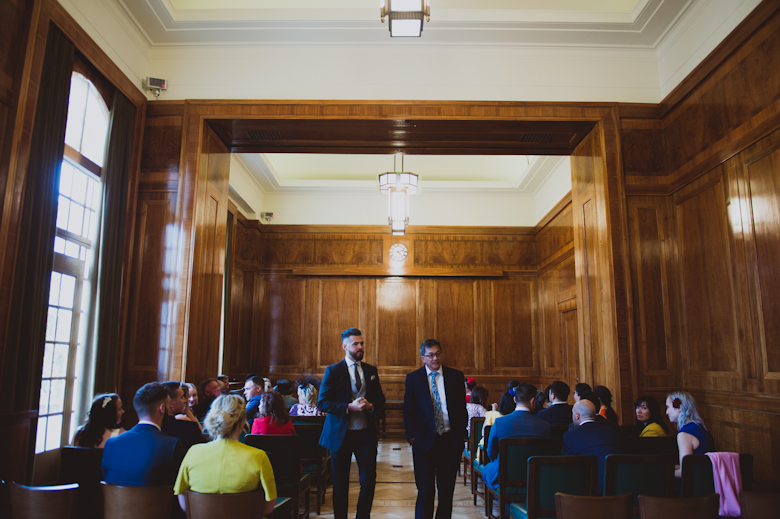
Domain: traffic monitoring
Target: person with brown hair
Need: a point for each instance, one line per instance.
(102, 422)
(272, 416)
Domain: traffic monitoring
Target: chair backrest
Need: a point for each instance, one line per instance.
(548, 475)
(704, 507)
(557, 431)
(697, 480)
(746, 471)
(121, 502)
(477, 422)
(755, 505)
(513, 454)
(207, 506)
(568, 506)
(83, 465)
(43, 502)
(654, 445)
(311, 450)
(284, 452)
(646, 475)
(629, 430)
(308, 419)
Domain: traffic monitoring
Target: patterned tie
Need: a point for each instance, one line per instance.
(438, 415)
(358, 382)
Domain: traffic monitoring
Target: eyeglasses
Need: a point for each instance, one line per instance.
(436, 355)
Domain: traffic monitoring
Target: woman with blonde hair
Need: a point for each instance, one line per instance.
(225, 466)
(307, 401)
(692, 435)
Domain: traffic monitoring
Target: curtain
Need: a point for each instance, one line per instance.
(35, 250)
(116, 186)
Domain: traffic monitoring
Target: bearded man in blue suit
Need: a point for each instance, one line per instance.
(351, 395)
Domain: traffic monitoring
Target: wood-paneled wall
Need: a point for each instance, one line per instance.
(702, 174)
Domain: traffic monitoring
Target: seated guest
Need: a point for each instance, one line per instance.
(285, 388)
(225, 384)
(267, 386)
(506, 404)
(192, 396)
(179, 424)
(648, 417)
(559, 412)
(605, 398)
(581, 390)
(590, 437)
(272, 416)
(144, 456)
(477, 405)
(225, 466)
(470, 384)
(521, 423)
(692, 436)
(211, 390)
(253, 390)
(307, 401)
(102, 422)
(540, 400)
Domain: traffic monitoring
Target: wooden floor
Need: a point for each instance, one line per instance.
(395, 490)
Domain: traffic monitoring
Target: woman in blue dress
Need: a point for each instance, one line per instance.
(692, 435)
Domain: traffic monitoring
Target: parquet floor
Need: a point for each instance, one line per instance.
(395, 490)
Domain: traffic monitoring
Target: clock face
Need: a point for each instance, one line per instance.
(398, 252)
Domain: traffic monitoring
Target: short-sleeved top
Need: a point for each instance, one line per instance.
(265, 425)
(474, 411)
(304, 410)
(225, 467)
(652, 430)
(706, 442)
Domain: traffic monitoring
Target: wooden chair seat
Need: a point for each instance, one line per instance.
(647, 475)
(43, 502)
(246, 505)
(705, 507)
(83, 465)
(120, 502)
(568, 506)
(470, 452)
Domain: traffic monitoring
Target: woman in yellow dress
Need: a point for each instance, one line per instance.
(649, 420)
(225, 466)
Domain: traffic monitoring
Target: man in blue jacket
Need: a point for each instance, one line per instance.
(559, 412)
(144, 456)
(522, 423)
(351, 395)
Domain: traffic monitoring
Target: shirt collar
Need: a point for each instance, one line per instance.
(147, 422)
(521, 408)
(589, 420)
(557, 403)
(350, 362)
(428, 371)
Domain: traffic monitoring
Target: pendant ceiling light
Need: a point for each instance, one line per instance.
(398, 185)
(405, 17)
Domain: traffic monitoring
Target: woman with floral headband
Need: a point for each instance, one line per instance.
(102, 423)
(692, 435)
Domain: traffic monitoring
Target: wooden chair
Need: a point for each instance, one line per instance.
(549, 475)
(43, 502)
(755, 505)
(83, 465)
(512, 463)
(308, 419)
(245, 505)
(647, 475)
(284, 452)
(476, 468)
(314, 458)
(470, 452)
(120, 502)
(704, 507)
(586, 507)
(658, 446)
(697, 477)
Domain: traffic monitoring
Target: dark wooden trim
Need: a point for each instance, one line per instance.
(165, 108)
(385, 229)
(639, 111)
(737, 37)
(552, 213)
(647, 189)
(83, 161)
(389, 271)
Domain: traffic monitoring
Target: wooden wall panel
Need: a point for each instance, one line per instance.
(283, 325)
(283, 250)
(340, 302)
(711, 330)
(550, 340)
(510, 252)
(514, 348)
(397, 345)
(555, 237)
(455, 322)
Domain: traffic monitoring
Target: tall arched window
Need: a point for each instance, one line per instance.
(75, 246)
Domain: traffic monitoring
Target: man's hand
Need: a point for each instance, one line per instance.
(357, 405)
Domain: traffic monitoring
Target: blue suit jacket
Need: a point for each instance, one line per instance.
(142, 457)
(419, 420)
(592, 438)
(558, 414)
(336, 395)
(519, 424)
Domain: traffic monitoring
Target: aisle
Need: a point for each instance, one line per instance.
(395, 490)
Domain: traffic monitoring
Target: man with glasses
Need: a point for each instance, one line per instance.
(351, 395)
(435, 419)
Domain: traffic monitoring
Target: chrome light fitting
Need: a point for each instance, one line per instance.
(398, 186)
(405, 17)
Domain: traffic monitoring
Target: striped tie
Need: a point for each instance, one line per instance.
(439, 416)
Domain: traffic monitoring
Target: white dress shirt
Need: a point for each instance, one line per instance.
(147, 422)
(442, 395)
(356, 420)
